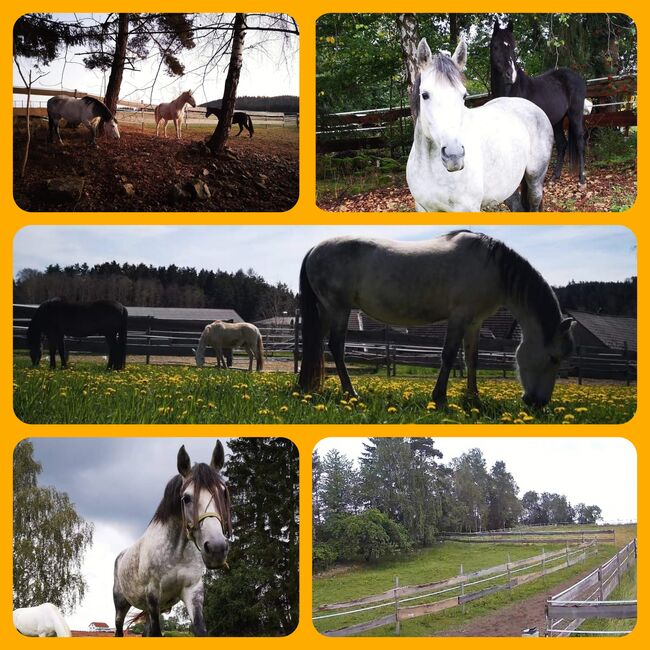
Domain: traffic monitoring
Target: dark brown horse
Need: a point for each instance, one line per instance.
(56, 318)
(243, 120)
(559, 93)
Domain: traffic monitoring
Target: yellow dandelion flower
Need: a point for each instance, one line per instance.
(284, 409)
(431, 406)
(320, 407)
(392, 409)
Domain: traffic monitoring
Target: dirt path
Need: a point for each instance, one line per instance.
(513, 619)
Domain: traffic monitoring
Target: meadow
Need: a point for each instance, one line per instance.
(166, 394)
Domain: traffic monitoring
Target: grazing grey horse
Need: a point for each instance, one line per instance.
(186, 535)
(462, 159)
(462, 277)
(87, 111)
(220, 335)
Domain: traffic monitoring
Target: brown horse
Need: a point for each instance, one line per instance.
(173, 111)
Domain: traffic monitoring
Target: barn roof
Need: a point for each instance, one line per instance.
(615, 332)
(186, 313)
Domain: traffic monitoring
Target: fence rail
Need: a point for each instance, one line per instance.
(587, 598)
(570, 536)
(469, 587)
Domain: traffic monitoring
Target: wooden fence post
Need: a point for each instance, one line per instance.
(462, 590)
(600, 583)
(543, 565)
(509, 576)
(148, 357)
(566, 552)
(387, 345)
(618, 567)
(142, 113)
(397, 623)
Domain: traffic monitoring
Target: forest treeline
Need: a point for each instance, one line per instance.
(361, 60)
(399, 495)
(276, 104)
(157, 286)
(244, 291)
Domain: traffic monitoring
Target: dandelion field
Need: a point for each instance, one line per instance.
(163, 394)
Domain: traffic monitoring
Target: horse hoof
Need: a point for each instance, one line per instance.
(582, 186)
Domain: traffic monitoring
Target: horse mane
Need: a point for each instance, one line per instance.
(520, 280)
(444, 67)
(101, 110)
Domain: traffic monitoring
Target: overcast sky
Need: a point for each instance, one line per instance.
(601, 471)
(115, 483)
(560, 253)
(268, 69)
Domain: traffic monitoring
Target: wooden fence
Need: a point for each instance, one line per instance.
(457, 591)
(569, 536)
(613, 98)
(566, 611)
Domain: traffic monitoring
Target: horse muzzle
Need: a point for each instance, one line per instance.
(453, 158)
(214, 553)
(534, 401)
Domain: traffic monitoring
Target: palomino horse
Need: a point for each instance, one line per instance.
(87, 111)
(186, 535)
(42, 620)
(241, 119)
(462, 277)
(559, 93)
(220, 335)
(465, 159)
(56, 318)
(173, 111)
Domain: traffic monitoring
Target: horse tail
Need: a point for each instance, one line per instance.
(260, 352)
(525, 199)
(122, 337)
(250, 125)
(312, 366)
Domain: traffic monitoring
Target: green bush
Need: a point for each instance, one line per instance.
(323, 556)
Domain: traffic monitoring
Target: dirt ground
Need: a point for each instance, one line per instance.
(140, 172)
(607, 190)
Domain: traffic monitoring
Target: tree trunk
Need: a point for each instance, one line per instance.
(454, 30)
(117, 67)
(408, 33)
(218, 139)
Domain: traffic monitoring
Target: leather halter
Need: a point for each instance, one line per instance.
(191, 527)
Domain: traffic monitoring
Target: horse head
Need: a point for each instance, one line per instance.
(205, 506)
(502, 54)
(111, 129)
(442, 101)
(34, 343)
(538, 363)
(189, 98)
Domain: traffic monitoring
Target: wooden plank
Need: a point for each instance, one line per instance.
(609, 531)
(362, 627)
(476, 595)
(406, 613)
(573, 592)
(597, 609)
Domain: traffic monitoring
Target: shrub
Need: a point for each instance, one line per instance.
(324, 555)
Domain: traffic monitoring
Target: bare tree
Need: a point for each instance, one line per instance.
(408, 32)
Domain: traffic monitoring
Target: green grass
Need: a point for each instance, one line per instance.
(87, 393)
(432, 564)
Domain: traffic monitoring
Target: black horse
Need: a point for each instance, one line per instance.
(56, 318)
(238, 117)
(559, 93)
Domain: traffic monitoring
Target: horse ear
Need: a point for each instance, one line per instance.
(183, 462)
(424, 55)
(496, 25)
(460, 55)
(509, 26)
(217, 457)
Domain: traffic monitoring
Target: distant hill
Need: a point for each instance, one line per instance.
(277, 104)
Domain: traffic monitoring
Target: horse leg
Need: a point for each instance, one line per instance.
(470, 342)
(535, 186)
(112, 351)
(64, 360)
(93, 132)
(192, 598)
(52, 344)
(122, 607)
(560, 145)
(241, 128)
(165, 128)
(453, 340)
(514, 202)
(336, 345)
(250, 358)
(177, 126)
(153, 610)
(577, 137)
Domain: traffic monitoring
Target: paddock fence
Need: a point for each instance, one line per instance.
(587, 599)
(614, 100)
(570, 536)
(142, 113)
(457, 591)
(153, 337)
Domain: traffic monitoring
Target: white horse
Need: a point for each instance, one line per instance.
(220, 335)
(42, 620)
(173, 111)
(186, 535)
(465, 159)
(87, 111)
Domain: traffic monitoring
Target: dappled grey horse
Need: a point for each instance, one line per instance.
(187, 534)
(88, 111)
(462, 159)
(462, 277)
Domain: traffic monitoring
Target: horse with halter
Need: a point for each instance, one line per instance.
(187, 534)
(220, 335)
(57, 318)
(41, 620)
(462, 277)
(87, 111)
(463, 160)
(173, 111)
(560, 93)
(243, 120)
